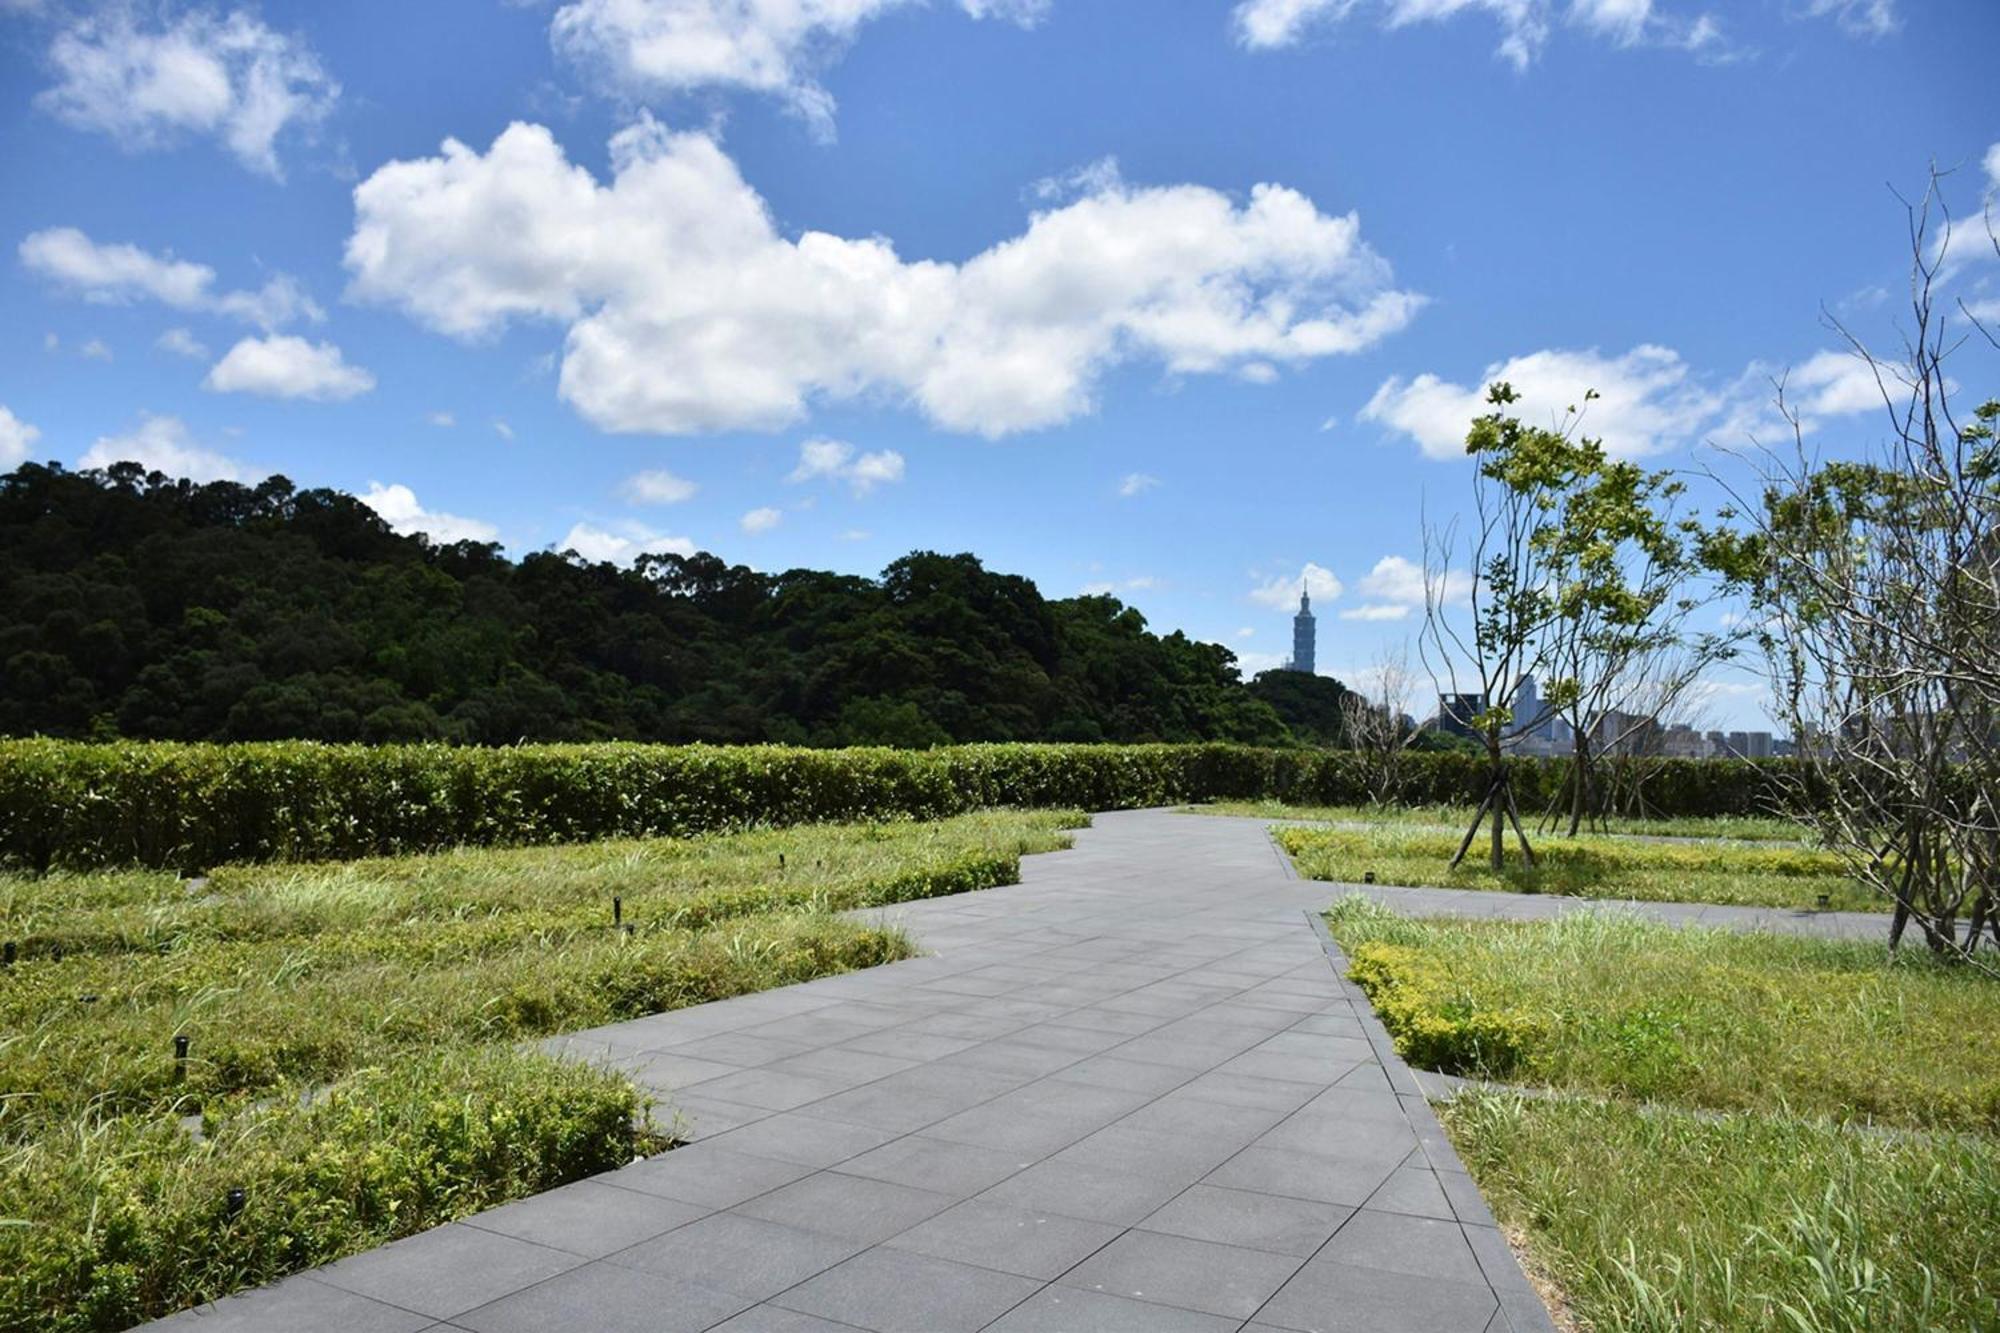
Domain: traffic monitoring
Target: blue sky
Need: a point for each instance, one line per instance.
(1174, 300)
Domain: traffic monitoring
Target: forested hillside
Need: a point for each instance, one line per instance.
(141, 606)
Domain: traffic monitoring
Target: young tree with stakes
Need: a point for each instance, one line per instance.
(1493, 641)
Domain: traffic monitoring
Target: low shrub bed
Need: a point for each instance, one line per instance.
(73, 805)
(396, 990)
(127, 1219)
(1455, 819)
(1735, 874)
(1656, 1220)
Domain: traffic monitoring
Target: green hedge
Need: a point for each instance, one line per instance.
(81, 806)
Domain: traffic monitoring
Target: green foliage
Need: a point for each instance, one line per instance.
(1611, 1005)
(1435, 1023)
(1658, 1220)
(283, 972)
(1313, 708)
(140, 606)
(129, 1218)
(191, 807)
(1593, 866)
(350, 1033)
(1453, 819)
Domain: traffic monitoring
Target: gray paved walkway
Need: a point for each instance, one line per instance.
(1130, 1093)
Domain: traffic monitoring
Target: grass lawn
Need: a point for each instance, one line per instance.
(1609, 1004)
(1658, 1219)
(1747, 1131)
(1584, 867)
(397, 991)
(1454, 818)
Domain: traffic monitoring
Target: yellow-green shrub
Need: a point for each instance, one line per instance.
(1435, 1025)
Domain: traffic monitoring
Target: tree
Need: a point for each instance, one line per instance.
(1617, 654)
(1314, 708)
(1876, 588)
(1522, 474)
(1378, 724)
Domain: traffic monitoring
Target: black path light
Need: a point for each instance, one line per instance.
(617, 910)
(180, 1057)
(236, 1199)
(7, 953)
(1367, 877)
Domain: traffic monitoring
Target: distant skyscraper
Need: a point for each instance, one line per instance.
(1303, 636)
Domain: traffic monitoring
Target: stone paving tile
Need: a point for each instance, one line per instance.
(1094, 1194)
(802, 1139)
(707, 1175)
(744, 1256)
(299, 1305)
(1253, 1221)
(1326, 1297)
(1138, 1070)
(894, 1291)
(606, 1299)
(777, 1319)
(960, 1169)
(1060, 1309)
(1010, 1240)
(1187, 1274)
(1396, 1243)
(1299, 1175)
(447, 1270)
(588, 1218)
(850, 1207)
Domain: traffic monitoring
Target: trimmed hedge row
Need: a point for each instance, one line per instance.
(81, 806)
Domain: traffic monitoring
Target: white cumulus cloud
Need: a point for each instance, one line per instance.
(1833, 384)
(119, 274)
(622, 543)
(687, 310)
(1648, 400)
(16, 438)
(397, 504)
(151, 81)
(288, 367)
(644, 48)
(163, 444)
(657, 486)
(1282, 593)
(837, 460)
(760, 520)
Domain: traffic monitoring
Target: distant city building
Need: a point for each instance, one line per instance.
(1304, 637)
(1749, 745)
(1682, 741)
(1456, 711)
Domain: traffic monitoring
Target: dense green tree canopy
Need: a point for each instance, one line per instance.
(138, 605)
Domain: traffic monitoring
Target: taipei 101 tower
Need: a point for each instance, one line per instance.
(1303, 635)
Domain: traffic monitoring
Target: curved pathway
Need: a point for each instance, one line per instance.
(1133, 1092)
